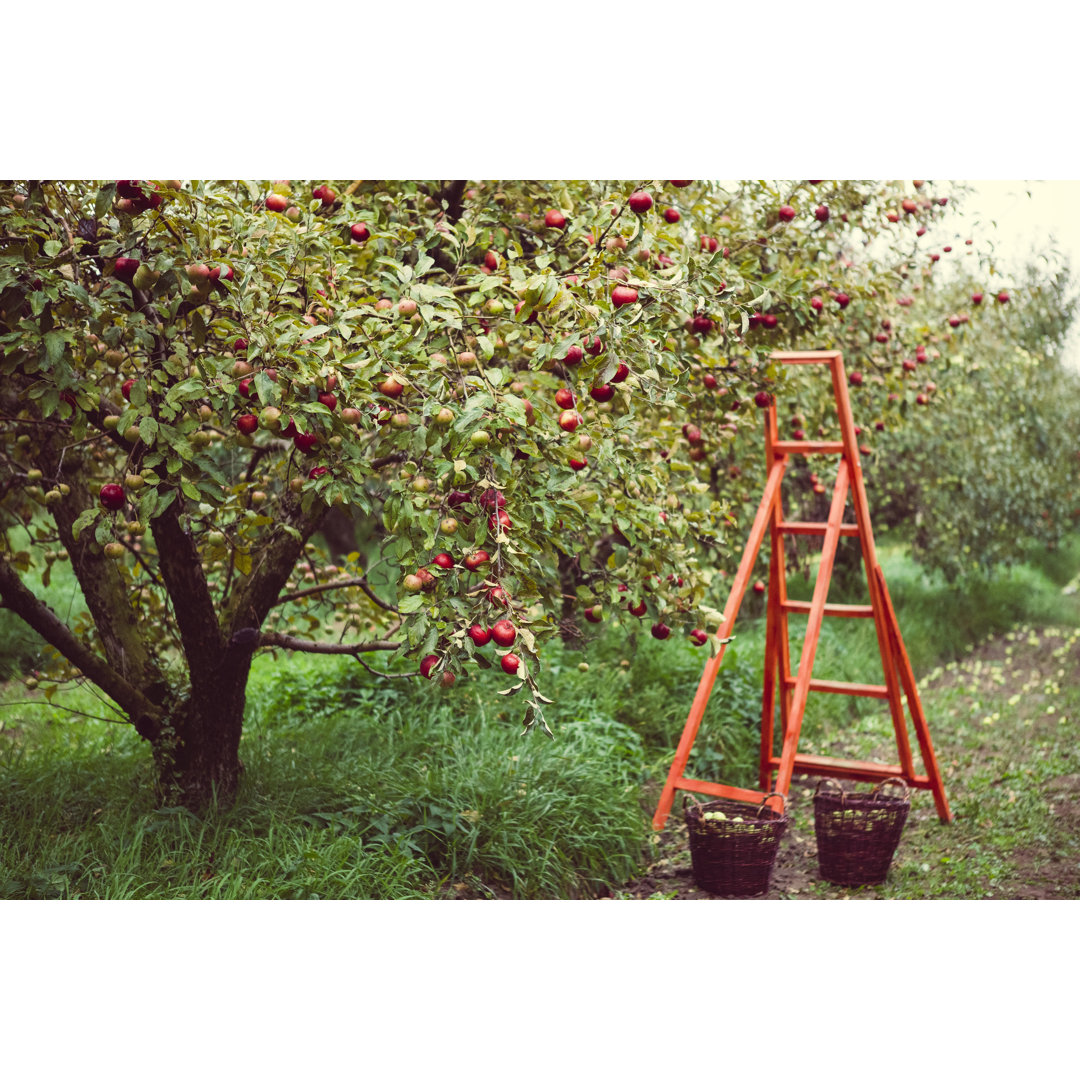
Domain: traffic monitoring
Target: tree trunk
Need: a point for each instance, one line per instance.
(197, 752)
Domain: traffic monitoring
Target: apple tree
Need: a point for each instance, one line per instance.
(532, 395)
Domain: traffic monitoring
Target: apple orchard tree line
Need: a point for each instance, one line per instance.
(536, 396)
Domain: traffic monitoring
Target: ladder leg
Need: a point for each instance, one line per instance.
(731, 609)
(911, 690)
(768, 697)
(813, 630)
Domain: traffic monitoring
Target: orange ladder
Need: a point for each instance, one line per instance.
(794, 688)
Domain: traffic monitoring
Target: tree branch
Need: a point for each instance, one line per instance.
(40, 617)
(182, 571)
(348, 583)
(295, 644)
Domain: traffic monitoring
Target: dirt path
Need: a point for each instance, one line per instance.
(1004, 724)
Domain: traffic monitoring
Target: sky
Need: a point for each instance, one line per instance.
(1020, 220)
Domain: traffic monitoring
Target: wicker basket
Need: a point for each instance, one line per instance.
(857, 833)
(734, 857)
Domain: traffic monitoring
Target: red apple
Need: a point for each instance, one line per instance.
(126, 389)
(671, 215)
(680, 183)
(976, 298)
(480, 636)
(359, 232)
(602, 393)
(276, 202)
(762, 399)
(594, 614)
(111, 496)
(499, 521)
(822, 213)
(125, 269)
(699, 636)
(594, 346)
(427, 664)
(577, 464)
(391, 387)
(637, 609)
(1002, 297)
(510, 664)
(622, 295)
(305, 442)
(786, 213)
(759, 587)
(554, 219)
(621, 372)
(569, 420)
(640, 202)
(328, 399)
(660, 631)
(444, 561)
(574, 355)
(247, 424)
(856, 378)
(564, 398)
(504, 633)
(817, 303)
(842, 299)
(476, 559)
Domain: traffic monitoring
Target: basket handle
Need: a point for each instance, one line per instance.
(773, 795)
(835, 783)
(696, 801)
(879, 790)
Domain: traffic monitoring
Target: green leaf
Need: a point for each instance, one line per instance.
(411, 603)
(54, 346)
(83, 520)
(104, 200)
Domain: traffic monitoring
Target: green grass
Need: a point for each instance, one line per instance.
(361, 788)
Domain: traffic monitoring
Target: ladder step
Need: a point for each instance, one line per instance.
(720, 791)
(828, 686)
(842, 768)
(818, 356)
(844, 611)
(808, 446)
(814, 528)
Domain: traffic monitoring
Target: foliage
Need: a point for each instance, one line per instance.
(238, 357)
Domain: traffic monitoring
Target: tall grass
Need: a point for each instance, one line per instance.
(356, 787)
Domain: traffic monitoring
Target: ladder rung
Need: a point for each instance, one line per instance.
(814, 528)
(844, 611)
(809, 446)
(852, 770)
(821, 356)
(721, 791)
(828, 686)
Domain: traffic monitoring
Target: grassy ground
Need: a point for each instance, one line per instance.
(359, 788)
(1003, 716)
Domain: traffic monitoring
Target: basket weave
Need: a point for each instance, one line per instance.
(857, 834)
(733, 858)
